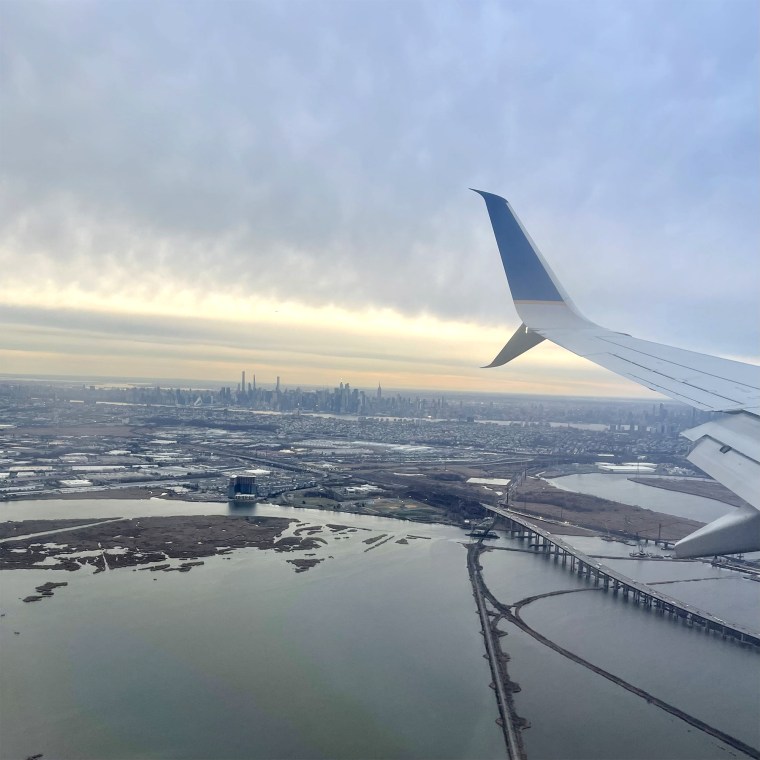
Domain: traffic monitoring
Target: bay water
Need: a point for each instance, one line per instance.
(374, 653)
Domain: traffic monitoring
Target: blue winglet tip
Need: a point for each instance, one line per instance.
(486, 195)
(527, 275)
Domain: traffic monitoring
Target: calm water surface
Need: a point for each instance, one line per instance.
(575, 713)
(370, 654)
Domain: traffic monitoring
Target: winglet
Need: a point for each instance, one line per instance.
(529, 277)
(518, 344)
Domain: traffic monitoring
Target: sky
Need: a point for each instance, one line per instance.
(192, 189)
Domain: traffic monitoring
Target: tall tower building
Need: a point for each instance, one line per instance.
(242, 383)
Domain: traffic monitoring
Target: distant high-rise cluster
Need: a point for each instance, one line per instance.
(628, 419)
(342, 399)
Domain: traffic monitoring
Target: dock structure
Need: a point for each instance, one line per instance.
(542, 541)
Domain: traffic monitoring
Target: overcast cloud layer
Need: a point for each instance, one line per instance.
(319, 153)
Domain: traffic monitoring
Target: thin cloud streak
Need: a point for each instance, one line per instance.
(207, 350)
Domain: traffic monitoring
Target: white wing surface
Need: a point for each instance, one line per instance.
(727, 448)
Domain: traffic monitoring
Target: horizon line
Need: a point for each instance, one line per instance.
(198, 384)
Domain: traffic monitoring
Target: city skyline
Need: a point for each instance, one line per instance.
(329, 380)
(190, 189)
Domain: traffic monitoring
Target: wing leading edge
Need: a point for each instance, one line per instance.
(727, 448)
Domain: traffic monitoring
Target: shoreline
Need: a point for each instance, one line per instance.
(542, 499)
(706, 489)
(569, 512)
(128, 492)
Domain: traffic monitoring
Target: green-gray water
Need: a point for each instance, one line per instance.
(370, 654)
(376, 652)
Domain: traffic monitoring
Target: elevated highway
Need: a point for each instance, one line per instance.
(611, 580)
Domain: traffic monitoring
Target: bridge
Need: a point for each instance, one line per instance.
(640, 593)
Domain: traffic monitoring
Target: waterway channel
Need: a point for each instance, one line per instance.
(618, 487)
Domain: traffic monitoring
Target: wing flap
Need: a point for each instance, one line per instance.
(738, 531)
(729, 449)
(739, 431)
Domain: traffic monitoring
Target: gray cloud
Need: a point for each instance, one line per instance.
(322, 151)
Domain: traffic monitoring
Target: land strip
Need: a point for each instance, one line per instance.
(13, 529)
(147, 540)
(54, 531)
(130, 491)
(510, 722)
(707, 489)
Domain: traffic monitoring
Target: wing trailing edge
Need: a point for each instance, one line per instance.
(727, 448)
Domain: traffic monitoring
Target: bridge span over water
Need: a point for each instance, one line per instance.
(612, 580)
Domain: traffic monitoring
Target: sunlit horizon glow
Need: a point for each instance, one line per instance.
(211, 336)
(123, 336)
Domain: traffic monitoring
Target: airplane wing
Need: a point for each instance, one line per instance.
(727, 447)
